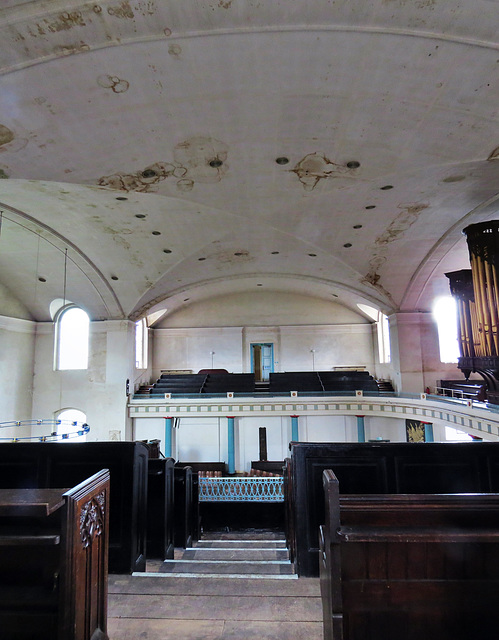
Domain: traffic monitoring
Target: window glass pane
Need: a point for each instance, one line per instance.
(455, 434)
(141, 344)
(73, 339)
(386, 337)
(445, 314)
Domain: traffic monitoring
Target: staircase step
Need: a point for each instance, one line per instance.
(234, 555)
(240, 544)
(247, 534)
(242, 567)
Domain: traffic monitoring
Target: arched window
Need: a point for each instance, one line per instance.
(72, 421)
(141, 340)
(445, 314)
(72, 339)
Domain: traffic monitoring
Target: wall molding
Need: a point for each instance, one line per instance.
(459, 416)
(18, 325)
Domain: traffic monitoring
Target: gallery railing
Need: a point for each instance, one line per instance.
(241, 489)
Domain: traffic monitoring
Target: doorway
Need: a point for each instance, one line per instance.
(262, 360)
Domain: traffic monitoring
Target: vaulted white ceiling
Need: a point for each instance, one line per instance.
(154, 151)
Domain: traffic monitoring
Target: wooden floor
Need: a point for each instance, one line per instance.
(265, 601)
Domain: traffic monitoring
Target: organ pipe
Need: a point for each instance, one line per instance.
(483, 247)
(462, 289)
(477, 293)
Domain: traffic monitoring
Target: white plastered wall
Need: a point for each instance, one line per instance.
(327, 428)
(230, 347)
(17, 350)
(416, 355)
(99, 391)
(247, 439)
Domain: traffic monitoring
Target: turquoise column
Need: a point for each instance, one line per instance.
(168, 437)
(361, 429)
(428, 432)
(231, 455)
(295, 437)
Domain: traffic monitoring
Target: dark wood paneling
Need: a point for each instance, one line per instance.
(370, 468)
(65, 464)
(160, 515)
(435, 577)
(53, 565)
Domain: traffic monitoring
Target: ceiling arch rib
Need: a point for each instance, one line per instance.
(59, 263)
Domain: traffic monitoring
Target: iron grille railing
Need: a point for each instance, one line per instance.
(241, 490)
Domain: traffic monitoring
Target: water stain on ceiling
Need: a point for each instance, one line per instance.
(199, 159)
(6, 135)
(114, 83)
(397, 228)
(315, 167)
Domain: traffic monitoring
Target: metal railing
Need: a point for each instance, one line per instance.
(241, 489)
(454, 393)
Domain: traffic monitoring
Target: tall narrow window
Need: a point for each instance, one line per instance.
(384, 338)
(141, 340)
(72, 339)
(383, 331)
(445, 314)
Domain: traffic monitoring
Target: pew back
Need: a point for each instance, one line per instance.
(65, 464)
(186, 507)
(378, 468)
(53, 562)
(160, 508)
(425, 564)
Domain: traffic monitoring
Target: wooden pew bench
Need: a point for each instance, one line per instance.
(65, 464)
(160, 508)
(53, 562)
(374, 468)
(409, 566)
(186, 507)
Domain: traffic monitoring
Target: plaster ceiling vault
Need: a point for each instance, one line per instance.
(186, 149)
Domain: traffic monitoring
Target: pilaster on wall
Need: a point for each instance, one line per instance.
(415, 351)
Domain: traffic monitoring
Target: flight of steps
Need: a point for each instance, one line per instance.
(233, 555)
(262, 386)
(251, 594)
(385, 386)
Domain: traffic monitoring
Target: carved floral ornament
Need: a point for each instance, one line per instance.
(92, 519)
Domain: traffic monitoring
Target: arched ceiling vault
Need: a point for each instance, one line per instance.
(190, 149)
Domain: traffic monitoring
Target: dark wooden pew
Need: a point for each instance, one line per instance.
(186, 509)
(370, 468)
(411, 566)
(53, 562)
(65, 464)
(160, 508)
(289, 509)
(271, 466)
(219, 467)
